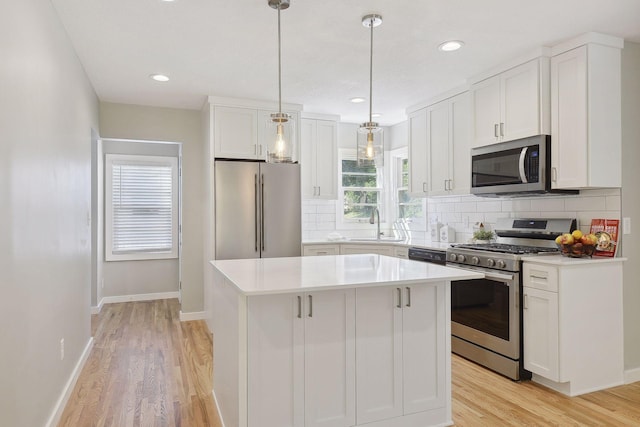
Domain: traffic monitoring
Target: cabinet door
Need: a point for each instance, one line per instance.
(346, 249)
(308, 158)
(485, 101)
(438, 137)
(460, 164)
(569, 157)
(329, 330)
(275, 361)
(520, 101)
(326, 158)
(540, 333)
(424, 347)
(418, 153)
(236, 133)
(378, 353)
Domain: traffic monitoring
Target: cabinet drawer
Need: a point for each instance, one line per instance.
(540, 276)
(311, 250)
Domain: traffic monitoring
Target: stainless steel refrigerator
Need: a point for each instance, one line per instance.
(257, 209)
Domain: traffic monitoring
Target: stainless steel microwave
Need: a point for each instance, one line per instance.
(514, 168)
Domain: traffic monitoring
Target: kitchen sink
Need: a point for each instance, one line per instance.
(373, 239)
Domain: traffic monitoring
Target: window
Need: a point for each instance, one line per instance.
(407, 208)
(360, 189)
(141, 215)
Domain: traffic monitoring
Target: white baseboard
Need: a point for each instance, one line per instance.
(215, 401)
(96, 309)
(54, 419)
(192, 315)
(631, 376)
(139, 297)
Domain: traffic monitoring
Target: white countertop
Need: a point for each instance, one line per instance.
(557, 259)
(296, 274)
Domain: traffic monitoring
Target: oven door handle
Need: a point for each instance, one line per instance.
(523, 173)
(487, 274)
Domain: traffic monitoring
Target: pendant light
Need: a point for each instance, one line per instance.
(370, 149)
(280, 126)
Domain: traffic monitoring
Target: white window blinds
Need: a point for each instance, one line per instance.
(141, 207)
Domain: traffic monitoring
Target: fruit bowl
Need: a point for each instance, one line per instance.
(576, 244)
(576, 250)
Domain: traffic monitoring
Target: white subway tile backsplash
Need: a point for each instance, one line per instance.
(613, 203)
(327, 209)
(547, 204)
(326, 226)
(597, 203)
(446, 207)
(492, 206)
(308, 208)
(466, 207)
(328, 217)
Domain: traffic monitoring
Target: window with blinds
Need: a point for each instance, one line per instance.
(141, 207)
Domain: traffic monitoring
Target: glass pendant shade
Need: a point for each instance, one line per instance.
(280, 126)
(370, 145)
(281, 138)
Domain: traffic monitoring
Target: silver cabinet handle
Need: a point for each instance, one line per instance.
(554, 174)
(322, 252)
(399, 305)
(299, 307)
(495, 130)
(408, 296)
(525, 303)
(318, 190)
(501, 129)
(255, 180)
(445, 184)
(450, 185)
(255, 149)
(262, 210)
(424, 187)
(310, 305)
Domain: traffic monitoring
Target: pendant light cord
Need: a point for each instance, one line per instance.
(371, 73)
(280, 66)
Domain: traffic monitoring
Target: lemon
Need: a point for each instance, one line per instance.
(577, 234)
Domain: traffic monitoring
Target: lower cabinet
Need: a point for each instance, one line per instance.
(346, 249)
(341, 358)
(399, 370)
(301, 359)
(320, 249)
(572, 324)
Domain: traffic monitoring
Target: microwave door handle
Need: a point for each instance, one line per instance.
(523, 156)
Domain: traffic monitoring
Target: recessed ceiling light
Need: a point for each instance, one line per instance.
(376, 115)
(159, 77)
(451, 45)
(357, 100)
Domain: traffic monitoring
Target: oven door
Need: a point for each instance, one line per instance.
(486, 312)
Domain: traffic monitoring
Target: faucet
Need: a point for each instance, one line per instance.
(372, 220)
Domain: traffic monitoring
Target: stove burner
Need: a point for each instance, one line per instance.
(507, 248)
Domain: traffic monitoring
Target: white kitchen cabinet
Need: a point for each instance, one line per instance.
(512, 105)
(572, 323)
(448, 144)
(318, 158)
(586, 141)
(347, 249)
(301, 359)
(418, 176)
(236, 133)
(398, 369)
(320, 249)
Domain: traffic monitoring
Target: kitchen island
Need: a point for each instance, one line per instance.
(340, 340)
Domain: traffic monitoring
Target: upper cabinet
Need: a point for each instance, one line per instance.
(512, 105)
(586, 141)
(318, 158)
(439, 142)
(240, 127)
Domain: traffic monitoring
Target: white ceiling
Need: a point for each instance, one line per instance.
(229, 48)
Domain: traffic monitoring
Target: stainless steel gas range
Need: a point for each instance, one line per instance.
(486, 315)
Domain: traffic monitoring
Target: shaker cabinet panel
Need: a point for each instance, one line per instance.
(418, 153)
(319, 159)
(236, 133)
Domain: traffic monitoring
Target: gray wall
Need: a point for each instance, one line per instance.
(47, 111)
(631, 202)
(120, 278)
(165, 124)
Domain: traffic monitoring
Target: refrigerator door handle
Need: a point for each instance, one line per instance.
(262, 211)
(255, 194)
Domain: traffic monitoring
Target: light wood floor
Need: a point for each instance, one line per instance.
(149, 369)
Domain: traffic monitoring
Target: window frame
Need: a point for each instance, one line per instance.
(397, 157)
(136, 255)
(360, 223)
